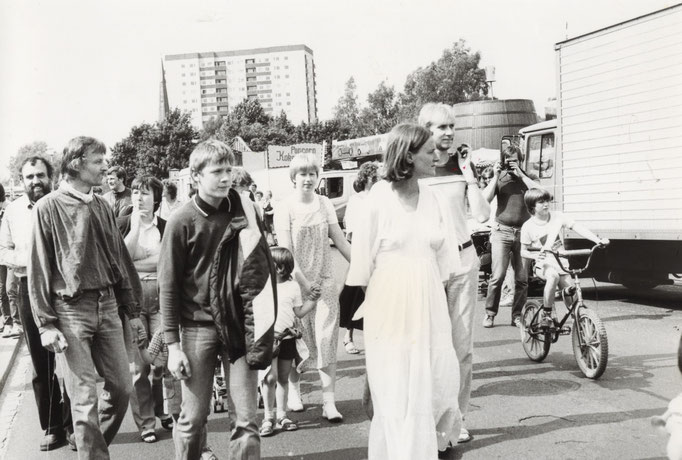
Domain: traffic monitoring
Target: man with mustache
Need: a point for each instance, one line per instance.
(15, 235)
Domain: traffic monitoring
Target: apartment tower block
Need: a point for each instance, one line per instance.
(211, 84)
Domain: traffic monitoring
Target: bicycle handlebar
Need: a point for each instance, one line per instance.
(573, 253)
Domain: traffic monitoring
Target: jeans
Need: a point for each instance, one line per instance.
(54, 415)
(9, 296)
(462, 290)
(146, 402)
(505, 247)
(94, 335)
(202, 346)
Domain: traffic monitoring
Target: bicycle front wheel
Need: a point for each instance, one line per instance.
(535, 340)
(592, 354)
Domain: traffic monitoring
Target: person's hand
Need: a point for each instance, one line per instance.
(514, 168)
(53, 340)
(137, 329)
(138, 214)
(178, 364)
(497, 169)
(315, 291)
(464, 163)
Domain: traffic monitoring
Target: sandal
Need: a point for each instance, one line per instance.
(267, 428)
(167, 422)
(287, 424)
(350, 347)
(148, 437)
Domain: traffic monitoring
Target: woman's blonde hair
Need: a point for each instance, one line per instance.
(304, 162)
(403, 141)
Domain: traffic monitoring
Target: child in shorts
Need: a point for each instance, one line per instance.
(290, 306)
(544, 231)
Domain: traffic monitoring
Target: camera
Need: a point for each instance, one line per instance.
(463, 150)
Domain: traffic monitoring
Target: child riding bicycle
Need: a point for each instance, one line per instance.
(543, 233)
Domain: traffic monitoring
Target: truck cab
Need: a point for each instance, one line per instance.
(337, 185)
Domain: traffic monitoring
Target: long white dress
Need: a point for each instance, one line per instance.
(403, 258)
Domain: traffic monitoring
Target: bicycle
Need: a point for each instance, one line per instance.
(539, 330)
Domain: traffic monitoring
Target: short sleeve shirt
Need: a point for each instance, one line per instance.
(288, 298)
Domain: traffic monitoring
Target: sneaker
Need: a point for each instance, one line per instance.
(464, 436)
(488, 321)
(17, 331)
(7, 331)
(516, 321)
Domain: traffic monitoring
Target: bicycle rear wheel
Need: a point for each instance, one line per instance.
(535, 341)
(592, 357)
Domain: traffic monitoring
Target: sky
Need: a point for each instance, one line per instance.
(78, 67)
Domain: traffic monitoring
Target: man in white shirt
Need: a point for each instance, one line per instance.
(455, 186)
(15, 235)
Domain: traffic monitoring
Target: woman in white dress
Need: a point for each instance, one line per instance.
(400, 253)
(304, 223)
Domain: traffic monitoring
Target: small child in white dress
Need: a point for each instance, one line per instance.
(290, 306)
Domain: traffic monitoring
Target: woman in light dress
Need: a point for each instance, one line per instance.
(352, 296)
(401, 255)
(304, 223)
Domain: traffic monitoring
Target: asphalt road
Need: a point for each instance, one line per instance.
(520, 409)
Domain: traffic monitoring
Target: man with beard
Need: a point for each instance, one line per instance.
(15, 235)
(80, 273)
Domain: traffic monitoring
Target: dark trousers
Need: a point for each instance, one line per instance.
(55, 415)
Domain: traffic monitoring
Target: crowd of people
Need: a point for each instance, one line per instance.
(153, 293)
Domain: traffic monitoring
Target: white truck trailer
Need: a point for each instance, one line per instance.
(613, 156)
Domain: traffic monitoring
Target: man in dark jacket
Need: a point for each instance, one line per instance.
(216, 290)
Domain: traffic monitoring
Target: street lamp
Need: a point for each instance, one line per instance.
(490, 78)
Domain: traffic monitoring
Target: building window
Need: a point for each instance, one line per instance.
(286, 58)
(185, 101)
(288, 103)
(183, 66)
(286, 76)
(288, 94)
(220, 63)
(194, 100)
(250, 61)
(184, 83)
(286, 66)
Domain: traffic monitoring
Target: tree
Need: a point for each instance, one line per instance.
(28, 150)
(382, 111)
(156, 148)
(347, 111)
(454, 78)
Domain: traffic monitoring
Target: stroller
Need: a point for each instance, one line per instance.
(481, 241)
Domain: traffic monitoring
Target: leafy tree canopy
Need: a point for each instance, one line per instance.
(28, 150)
(156, 148)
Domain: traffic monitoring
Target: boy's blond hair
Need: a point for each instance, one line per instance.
(210, 151)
